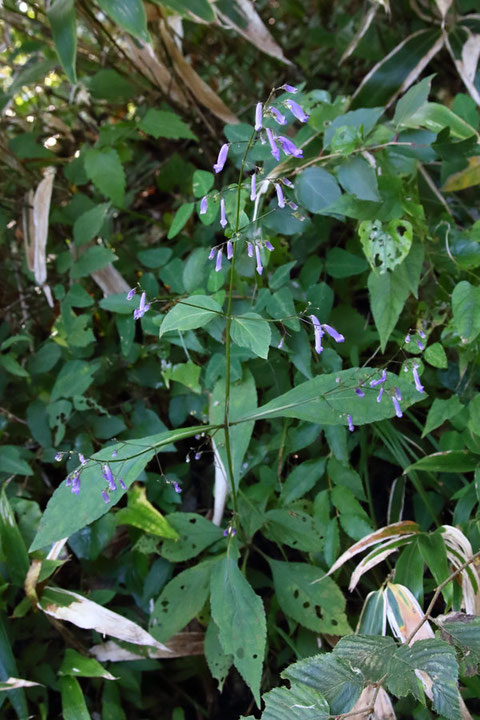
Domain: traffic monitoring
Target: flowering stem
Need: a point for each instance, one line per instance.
(228, 342)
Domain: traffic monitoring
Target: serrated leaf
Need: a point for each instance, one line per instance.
(293, 528)
(368, 653)
(218, 662)
(319, 607)
(105, 170)
(464, 631)
(160, 123)
(466, 310)
(240, 617)
(141, 514)
(88, 224)
(300, 702)
(193, 312)
(194, 534)
(250, 330)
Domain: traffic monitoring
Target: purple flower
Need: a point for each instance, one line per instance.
(131, 293)
(222, 158)
(142, 309)
(287, 182)
(269, 245)
(416, 377)
(108, 475)
(105, 497)
(360, 392)
(407, 338)
(351, 426)
(68, 481)
(274, 149)
(398, 393)
(229, 531)
(203, 205)
(373, 383)
(422, 334)
(280, 198)
(122, 484)
(211, 254)
(82, 459)
(223, 217)
(278, 117)
(289, 147)
(294, 206)
(333, 333)
(198, 455)
(296, 110)
(318, 333)
(396, 405)
(229, 250)
(218, 264)
(259, 260)
(115, 453)
(59, 456)
(75, 483)
(380, 393)
(289, 88)
(420, 345)
(250, 249)
(280, 344)
(177, 487)
(258, 116)
(253, 187)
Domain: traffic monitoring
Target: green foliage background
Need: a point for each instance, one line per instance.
(222, 574)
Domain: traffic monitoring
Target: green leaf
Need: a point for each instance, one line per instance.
(302, 479)
(199, 8)
(435, 117)
(73, 702)
(464, 631)
(453, 461)
(8, 669)
(74, 378)
(437, 659)
(316, 189)
(240, 617)
(434, 553)
(280, 306)
(194, 534)
(180, 219)
(37, 419)
(11, 365)
(11, 461)
(193, 312)
(67, 513)
(105, 170)
(372, 618)
(435, 356)
(181, 600)
(88, 224)
(78, 665)
(327, 399)
(440, 411)
(300, 702)
(250, 330)
(412, 101)
(13, 546)
(141, 514)
(389, 245)
(338, 682)
(318, 606)
(341, 263)
(363, 119)
(202, 182)
(293, 528)
(388, 294)
(61, 16)
(218, 662)
(466, 310)
(358, 177)
(160, 123)
(369, 654)
(129, 15)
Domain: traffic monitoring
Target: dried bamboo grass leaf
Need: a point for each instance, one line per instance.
(361, 30)
(383, 709)
(144, 57)
(110, 281)
(184, 644)
(404, 614)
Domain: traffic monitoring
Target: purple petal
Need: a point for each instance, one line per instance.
(211, 254)
(333, 333)
(380, 393)
(269, 245)
(253, 187)
(122, 484)
(289, 147)
(318, 333)
(360, 392)
(223, 217)
(259, 260)
(407, 338)
(105, 497)
(222, 158)
(59, 456)
(274, 149)
(258, 116)
(280, 198)
(396, 405)
(351, 426)
(218, 264)
(131, 293)
(287, 182)
(416, 378)
(296, 110)
(229, 250)
(250, 249)
(420, 345)
(278, 117)
(381, 380)
(203, 205)
(289, 88)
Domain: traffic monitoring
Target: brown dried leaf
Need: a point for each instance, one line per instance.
(110, 281)
(35, 224)
(182, 644)
(467, 66)
(362, 29)
(383, 709)
(13, 683)
(150, 66)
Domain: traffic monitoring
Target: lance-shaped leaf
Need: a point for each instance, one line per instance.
(375, 557)
(190, 313)
(72, 607)
(13, 545)
(74, 706)
(184, 644)
(78, 665)
(141, 513)
(61, 16)
(404, 614)
(453, 461)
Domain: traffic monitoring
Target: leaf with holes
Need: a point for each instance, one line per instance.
(293, 528)
(181, 600)
(240, 617)
(385, 247)
(318, 607)
(195, 533)
(218, 662)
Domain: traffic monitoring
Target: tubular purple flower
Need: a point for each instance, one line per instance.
(287, 183)
(280, 344)
(122, 484)
(422, 334)
(351, 426)
(360, 392)
(223, 217)
(203, 205)
(318, 333)
(258, 116)
(294, 206)
(108, 475)
(229, 250)
(250, 249)
(131, 293)
(296, 110)
(381, 380)
(396, 405)
(416, 378)
(398, 393)
(211, 254)
(333, 333)
(274, 149)
(81, 459)
(380, 393)
(142, 309)
(75, 483)
(68, 481)
(420, 345)
(105, 497)
(259, 260)
(289, 88)
(253, 187)
(222, 158)
(289, 147)
(269, 245)
(177, 487)
(198, 455)
(115, 453)
(59, 456)
(277, 116)
(407, 338)
(280, 198)
(218, 264)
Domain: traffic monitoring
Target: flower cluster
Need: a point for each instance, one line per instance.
(142, 308)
